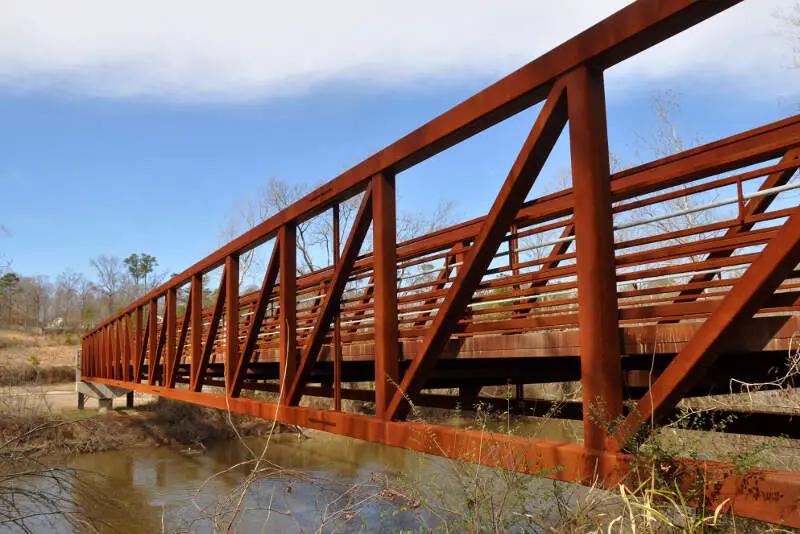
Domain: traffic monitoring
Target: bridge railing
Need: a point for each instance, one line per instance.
(664, 274)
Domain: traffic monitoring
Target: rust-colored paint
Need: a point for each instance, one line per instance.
(232, 353)
(590, 314)
(386, 329)
(331, 301)
(601, 370)
(287, 242)
(531, 159)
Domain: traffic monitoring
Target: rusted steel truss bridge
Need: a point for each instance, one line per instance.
(578, 285)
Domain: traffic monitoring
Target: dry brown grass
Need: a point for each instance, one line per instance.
(18, 349)
(29, 374)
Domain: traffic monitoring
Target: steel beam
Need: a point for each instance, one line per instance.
(337, 322)
(531, 159)
(330, 305)
(232, 355)
(211, 336)
(160, 357)
(126, 369)
(152, 349)
(117, 371)
(287, 243)
(187, 314)
(755, 206)
(196, 321)
(778, 259)
(171, 325)
(260, 310)
(385, 254)
(601, 370)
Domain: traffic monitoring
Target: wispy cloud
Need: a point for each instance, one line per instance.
(207, 50)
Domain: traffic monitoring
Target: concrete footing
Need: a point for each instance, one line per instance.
(104, 394)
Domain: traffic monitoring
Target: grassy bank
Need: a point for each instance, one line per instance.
(37, 358)
(19, 375)
(20, 349)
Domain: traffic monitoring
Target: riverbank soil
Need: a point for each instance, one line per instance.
(27, 433)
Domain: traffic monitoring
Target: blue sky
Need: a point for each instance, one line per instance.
(90, 165)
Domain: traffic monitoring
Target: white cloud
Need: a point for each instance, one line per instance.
(210, 50)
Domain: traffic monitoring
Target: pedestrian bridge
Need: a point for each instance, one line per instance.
(675, 279)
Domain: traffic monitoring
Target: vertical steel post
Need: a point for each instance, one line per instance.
(513, 251)
(288, 308)
(138, 344)
(113, 342)
(89, 369)
(171, 324)
(118, 349)
(385, 266)
(337, 327)
(513, 257)
(108, 352)
(98, 354)
(101, 352)
(601, 373)
(196, 325)
(152, 342)
(126, 365)
(231, 320)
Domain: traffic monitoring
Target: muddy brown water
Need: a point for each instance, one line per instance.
(158, 489)
(144, 490)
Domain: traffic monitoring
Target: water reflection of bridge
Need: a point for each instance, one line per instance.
(581, 284)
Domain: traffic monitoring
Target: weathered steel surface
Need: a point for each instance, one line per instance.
(598, 318)
(587, 284)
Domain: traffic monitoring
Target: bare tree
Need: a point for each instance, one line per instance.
(243, 218)
(86, 297)
(273, 197)
(5, 263)
(790, 24)
(683, 211)
(110, 278)
(323, 229)
(315, 236)
(67, 286)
